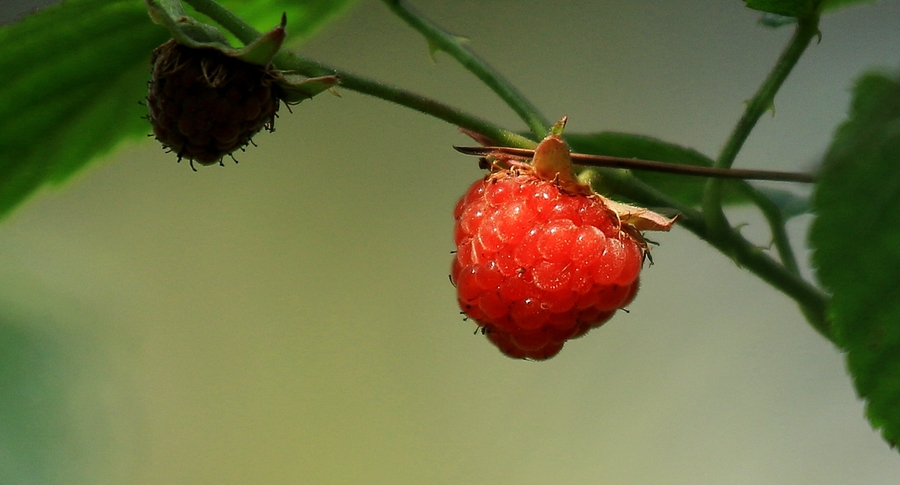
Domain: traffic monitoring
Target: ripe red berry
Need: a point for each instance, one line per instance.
(205, 104)
(542, 259)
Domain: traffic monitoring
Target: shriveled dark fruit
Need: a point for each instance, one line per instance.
(204, 105)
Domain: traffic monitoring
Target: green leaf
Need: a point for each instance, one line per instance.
(835, 4)
(796, 8)
(788, 203)
(305, 18)
(787, 8)
(74, 73)
(33, 414)
(686, 189)
(856, 239)
(73, 76)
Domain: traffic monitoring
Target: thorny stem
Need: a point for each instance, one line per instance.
(292, 62)
(812, 301)
(439, 39)
(762, 101)
(457, 117)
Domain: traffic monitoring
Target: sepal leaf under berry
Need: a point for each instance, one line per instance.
(855, 240)
(198, 35)
(295, 89)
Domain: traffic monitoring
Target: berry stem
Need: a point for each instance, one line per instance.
(762, 101)
(812, 301)
(293, 62)
(245, 32)
(453, 45)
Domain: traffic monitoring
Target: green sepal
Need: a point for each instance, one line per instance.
(295, 89)
(262, 50)
(192, 33)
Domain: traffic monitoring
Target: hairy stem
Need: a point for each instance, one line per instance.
(290, 61)
(762, 101)
(453, 45)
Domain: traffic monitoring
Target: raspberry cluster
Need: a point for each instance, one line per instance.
(537, 265)
(204, 104)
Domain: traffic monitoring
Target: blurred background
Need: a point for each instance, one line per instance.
(289, 319)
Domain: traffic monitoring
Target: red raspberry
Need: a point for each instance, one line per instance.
(540, 259)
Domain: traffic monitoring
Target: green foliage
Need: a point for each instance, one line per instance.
(835, 4)
(788, 8)
(73, 76)
(856, 237)
(33, 424)
(798, 8)
(75, 73)
(304, 18)
(686, 189)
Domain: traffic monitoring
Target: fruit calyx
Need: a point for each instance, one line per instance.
(192, 33)
(552, 162)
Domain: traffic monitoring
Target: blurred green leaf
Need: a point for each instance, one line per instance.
(787, 8)
(796, 8)
(74, 73)
(788, 203)
(305, 18)
(835, 4)
(776, 21)
(33, 425)
(686, 189)
(856, 239)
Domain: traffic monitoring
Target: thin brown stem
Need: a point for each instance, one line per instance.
(652, 166)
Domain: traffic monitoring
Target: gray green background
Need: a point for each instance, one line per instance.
(289, 319)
